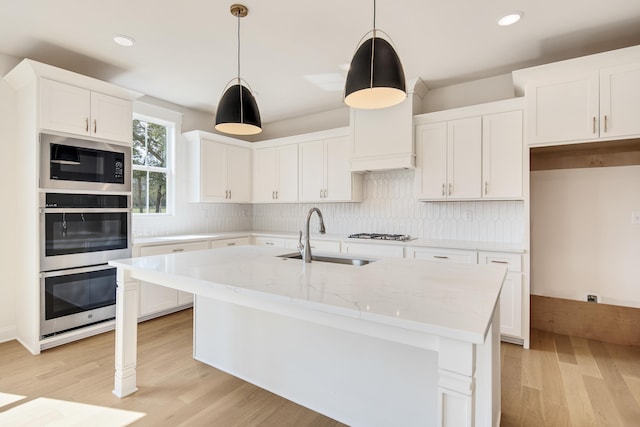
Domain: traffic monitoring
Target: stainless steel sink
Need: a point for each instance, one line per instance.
(335, 260)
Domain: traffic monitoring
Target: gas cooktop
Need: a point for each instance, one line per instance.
(379, 236)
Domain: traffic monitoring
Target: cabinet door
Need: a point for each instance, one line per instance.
(431, 161)
(563, 110)
(620, 101)
(287, 189)
(239, 174)
(111, 118)
(213, 171)
(464, 158)
(511, 305)
(265, 177)
(502, 155)
(338, 176)
(312, 171)
(65, 108)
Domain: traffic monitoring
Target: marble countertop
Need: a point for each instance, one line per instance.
(448, 244)
(452, 300)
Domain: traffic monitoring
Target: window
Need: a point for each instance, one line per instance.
(152, 147)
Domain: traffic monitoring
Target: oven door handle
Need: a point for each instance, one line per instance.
(84, 210)
(68, 271)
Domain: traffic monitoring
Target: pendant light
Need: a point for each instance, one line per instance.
(376, 77)
(237, 112)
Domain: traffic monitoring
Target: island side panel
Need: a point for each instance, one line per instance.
(353, 378)
(126, 334)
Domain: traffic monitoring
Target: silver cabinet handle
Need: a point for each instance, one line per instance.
(95, 126)
(441, 257)
(268, 243)
(450, 188)
(179, 250)
(231, 244)
(277, 194)
(499, 262)
(594, 124)
(273, 195)
(86, 124)
(605, 123)
(486, 188)
(229, 194)
(443, 190)
(321, 193)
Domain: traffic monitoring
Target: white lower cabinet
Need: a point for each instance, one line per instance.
(511, 298)
(157, 299)
(373, 250)
(330, 246)
(274, 242)
(223, 243)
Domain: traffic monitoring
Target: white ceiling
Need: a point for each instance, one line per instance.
(186, 50)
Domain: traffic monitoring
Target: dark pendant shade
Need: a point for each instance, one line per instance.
(238, 112)
(376, 77)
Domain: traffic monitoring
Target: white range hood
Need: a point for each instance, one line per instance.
(383, 139)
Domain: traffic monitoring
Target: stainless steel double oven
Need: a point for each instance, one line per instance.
(85, 221)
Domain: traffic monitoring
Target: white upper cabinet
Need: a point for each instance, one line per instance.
(325, 175)
(595, 97)
(275, 178)
(449, 159)
(79, 111)
(502, 155)
(620, 101)
(471, 158)
(218, 171)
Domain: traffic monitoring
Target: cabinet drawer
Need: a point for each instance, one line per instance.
(373, 250)
(177, 247)
(318, 245)
(223, 243)
(443, 255)
(273, 242)
(512, 261)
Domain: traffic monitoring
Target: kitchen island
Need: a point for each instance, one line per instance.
(393, 342)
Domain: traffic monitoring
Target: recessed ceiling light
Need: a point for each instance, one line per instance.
(510, 18)
(122, 40)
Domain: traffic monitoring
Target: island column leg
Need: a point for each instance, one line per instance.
(456, 383)
(126, 334)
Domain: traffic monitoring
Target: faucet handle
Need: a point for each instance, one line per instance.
(300, 245)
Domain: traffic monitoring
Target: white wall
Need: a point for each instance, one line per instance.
(8, 231)
(582, 239)
(469, 93)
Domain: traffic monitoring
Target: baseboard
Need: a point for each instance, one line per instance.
(602, 322)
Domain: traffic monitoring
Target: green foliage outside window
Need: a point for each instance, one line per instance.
(150, 144)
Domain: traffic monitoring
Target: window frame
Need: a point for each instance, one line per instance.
(169, 170)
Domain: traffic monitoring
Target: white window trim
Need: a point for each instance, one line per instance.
(173, 120)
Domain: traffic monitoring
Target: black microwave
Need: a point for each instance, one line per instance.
(78, 164)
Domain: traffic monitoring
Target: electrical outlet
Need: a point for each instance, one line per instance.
(635, 217)
(592, 298)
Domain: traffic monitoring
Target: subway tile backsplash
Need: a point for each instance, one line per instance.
(388, 206)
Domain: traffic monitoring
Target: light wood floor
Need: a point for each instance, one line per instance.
(560, 381)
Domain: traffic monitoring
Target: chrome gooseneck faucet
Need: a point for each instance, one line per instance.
(305, 249)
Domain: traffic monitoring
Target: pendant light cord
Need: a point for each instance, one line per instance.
(238, 17)
(374, 17)
(373, 46)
